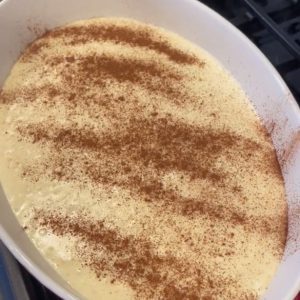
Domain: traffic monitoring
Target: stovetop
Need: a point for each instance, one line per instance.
(274, 26)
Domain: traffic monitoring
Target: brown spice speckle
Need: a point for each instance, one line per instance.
(121, 124)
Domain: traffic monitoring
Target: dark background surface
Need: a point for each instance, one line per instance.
(274, 26)
(284, 16)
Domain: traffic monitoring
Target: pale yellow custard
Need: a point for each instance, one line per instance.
(138, 167)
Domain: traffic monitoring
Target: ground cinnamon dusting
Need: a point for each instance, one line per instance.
(144, 38)
(124, 126)
(132, 157)
(132, 260)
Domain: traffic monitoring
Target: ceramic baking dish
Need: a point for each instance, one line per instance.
(22, 21)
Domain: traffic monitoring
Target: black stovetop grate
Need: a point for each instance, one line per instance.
(274, 26)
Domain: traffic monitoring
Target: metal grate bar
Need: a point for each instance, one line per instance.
(273, 27)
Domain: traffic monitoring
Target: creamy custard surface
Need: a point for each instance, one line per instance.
(138, 167)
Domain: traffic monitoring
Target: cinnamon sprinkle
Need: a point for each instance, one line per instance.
(133, 158)
(133, 261)
(140, 37)
(121, 124)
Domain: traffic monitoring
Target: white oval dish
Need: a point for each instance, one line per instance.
(197, 23)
